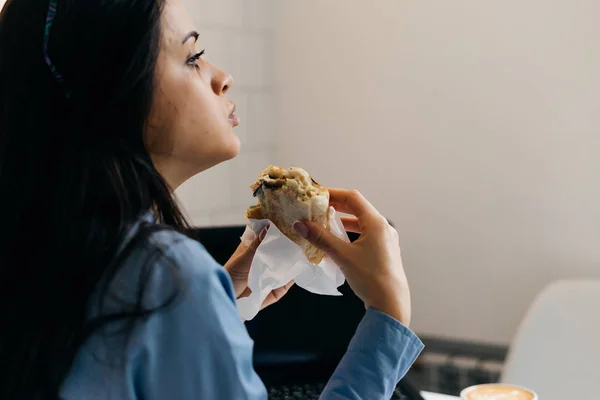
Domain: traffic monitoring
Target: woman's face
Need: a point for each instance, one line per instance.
(190, 127)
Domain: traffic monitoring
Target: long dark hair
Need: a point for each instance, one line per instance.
(74, 175)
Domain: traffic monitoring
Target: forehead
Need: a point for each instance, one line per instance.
(176, 22)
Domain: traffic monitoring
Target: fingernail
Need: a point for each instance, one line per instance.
(262, 234)
(301, 229)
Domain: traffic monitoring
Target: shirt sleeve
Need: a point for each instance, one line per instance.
(379, 355)
(198, 348)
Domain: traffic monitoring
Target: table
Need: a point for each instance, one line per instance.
(436, 396)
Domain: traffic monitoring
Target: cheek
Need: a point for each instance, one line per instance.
(156, 136)
(203, 132)
(189, 122)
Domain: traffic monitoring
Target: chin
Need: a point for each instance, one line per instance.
(224, 151)
(233, 148)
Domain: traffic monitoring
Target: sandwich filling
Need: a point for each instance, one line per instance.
(294, 179)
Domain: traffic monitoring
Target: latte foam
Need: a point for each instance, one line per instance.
(497, 392)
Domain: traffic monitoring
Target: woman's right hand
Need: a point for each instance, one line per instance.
(372, 264)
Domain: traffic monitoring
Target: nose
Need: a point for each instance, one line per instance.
(221, 81)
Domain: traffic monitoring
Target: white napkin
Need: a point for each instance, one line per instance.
(278, 261)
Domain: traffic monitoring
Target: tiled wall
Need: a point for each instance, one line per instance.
(237, 35)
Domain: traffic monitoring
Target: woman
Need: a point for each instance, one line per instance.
(107, 106)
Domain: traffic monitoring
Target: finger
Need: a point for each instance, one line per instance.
(248, 251)
(276, 295)
(256, 242)
(247, 292)
(353, 202)
(351, 224)
(322, 238)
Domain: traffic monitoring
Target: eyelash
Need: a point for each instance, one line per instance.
(193, 60)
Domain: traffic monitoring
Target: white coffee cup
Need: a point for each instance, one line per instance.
(498, 391)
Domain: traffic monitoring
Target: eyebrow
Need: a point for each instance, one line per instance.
(192, 34)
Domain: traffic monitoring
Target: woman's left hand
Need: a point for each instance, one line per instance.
(238, 268)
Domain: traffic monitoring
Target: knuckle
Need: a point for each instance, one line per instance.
(355, 194)
(278, 293)
(381, 222)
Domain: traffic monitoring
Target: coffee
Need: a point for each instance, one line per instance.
(497, 392)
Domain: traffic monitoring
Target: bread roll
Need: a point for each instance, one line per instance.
(286, 196)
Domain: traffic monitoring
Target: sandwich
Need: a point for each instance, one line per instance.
(289, 195)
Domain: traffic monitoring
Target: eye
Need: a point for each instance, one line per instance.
(193, 60)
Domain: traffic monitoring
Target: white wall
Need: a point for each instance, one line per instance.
(237, 35)
(473, 125)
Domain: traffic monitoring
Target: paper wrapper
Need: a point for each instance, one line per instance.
(278, 261)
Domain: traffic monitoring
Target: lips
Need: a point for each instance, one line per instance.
(233, 118)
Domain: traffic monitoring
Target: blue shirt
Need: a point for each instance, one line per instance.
(198, 347)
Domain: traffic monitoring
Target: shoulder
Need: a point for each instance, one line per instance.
(182, 264)
(187, 254)
(162, 267)
(194, 267)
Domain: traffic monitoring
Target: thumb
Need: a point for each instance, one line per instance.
(247, 251)
(321, 238)
(256, 242)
